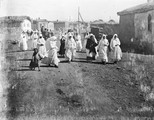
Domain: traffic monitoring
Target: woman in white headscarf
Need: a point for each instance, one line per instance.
(41, 46)
(78, 42)
(52, 51)
(35, 40)
(103, 48)
(23, 42)
(70, 47)
(115, 48)
(29, 39)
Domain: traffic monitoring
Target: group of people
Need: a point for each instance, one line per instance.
(95, 49)
(45, 49)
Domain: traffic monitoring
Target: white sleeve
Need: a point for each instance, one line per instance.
(118, 42)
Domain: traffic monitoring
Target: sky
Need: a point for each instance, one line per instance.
(67, 9)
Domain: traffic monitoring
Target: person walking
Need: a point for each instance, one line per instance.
(35, 39)
(78, 42)
(115, 48)
(91, 47)
(23, 43)
(103, 48)
(62, 46)
(41, 47)
(52, 51)
(70, 47)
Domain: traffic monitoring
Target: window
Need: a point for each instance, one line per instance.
(149, 23)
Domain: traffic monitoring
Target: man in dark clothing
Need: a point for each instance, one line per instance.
(91, 47)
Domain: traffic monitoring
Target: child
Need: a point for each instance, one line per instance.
(35, 60)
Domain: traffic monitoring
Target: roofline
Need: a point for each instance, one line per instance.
(139, 10)
(133, 12)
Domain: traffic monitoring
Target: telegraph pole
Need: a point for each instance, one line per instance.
(78, 18)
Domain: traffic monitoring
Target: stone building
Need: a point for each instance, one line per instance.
(38, 23)
(99, 27)
(21, 22)
(61, 25)
(12, 26)
(137, 28)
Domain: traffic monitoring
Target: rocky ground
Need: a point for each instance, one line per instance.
(78, 90)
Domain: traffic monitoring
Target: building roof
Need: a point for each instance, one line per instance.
(16, 18)
(59, 21)
(111, 22)
(41, 20)
(138, 9)
(100, 21)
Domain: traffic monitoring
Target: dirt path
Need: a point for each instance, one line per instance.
(78, 89)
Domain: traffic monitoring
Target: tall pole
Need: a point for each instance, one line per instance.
(78, 18)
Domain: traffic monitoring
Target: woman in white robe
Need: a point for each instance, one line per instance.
(115, 48)
(52, 52)
(41, 47)
(78, 42)
(102, 49)
(29, 40)
(70, 47)
(35, 40)
(23, 42)
(85, 41)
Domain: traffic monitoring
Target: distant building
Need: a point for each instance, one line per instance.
(136, 28)
(99, 27)
(82, 26)
(111, 22)
(13, 26)
(38, 23)
(61, 25)
(50, 25)
(20, 22)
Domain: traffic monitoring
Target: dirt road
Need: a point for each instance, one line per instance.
(77, 89)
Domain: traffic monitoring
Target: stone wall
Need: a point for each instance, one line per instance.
(142, 34)
(11, 35)
(127, 31)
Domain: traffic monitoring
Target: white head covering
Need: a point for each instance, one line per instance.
(104, 35)
(35, 31)
(115, 35)
(53, 38)
(70, 34)
(40, 34)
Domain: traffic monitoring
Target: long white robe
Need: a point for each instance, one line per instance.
(115, 49)
(78, 43)
(23, 42)
(85, 42)
(52, 52)
(29, 42)
(70, 47)
(103, 48)
(35, 41)
(42, 47)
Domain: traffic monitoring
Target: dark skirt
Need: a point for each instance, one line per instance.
(33, 64)
(62, 48)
